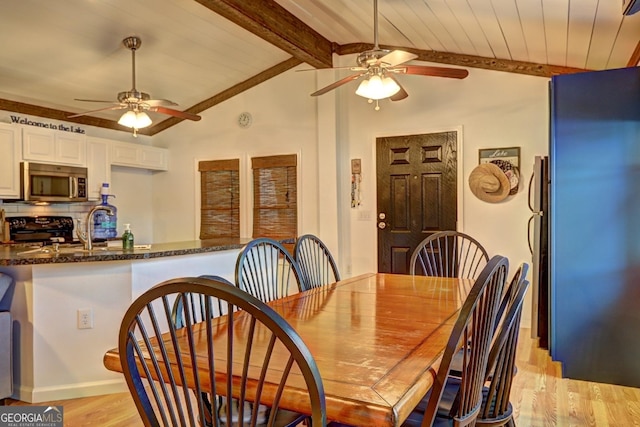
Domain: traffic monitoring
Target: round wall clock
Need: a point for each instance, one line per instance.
(245, 120)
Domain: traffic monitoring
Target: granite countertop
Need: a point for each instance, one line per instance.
(24, 255)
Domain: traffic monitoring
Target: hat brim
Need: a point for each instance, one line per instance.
(489, 183)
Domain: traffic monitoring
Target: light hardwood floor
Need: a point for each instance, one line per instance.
(540, 397)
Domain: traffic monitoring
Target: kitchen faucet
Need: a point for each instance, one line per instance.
(85, 236)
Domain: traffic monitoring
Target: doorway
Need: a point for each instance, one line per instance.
(417, 193)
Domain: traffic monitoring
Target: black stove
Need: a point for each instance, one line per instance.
(40, 228)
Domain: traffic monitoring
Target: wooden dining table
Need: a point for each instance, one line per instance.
(377, 340)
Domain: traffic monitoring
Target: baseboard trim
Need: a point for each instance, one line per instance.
(69, 391)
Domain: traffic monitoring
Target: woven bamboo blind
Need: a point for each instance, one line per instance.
(219, 198)
(275, 196)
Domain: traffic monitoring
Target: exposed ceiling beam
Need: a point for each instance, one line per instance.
(634, 61)
(51, 113)
(273, 23)
(229, 93)
(519, 67)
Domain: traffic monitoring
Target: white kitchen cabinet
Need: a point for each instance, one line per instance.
(139, 156)
(98, 165)
(10, 161)
(52, 146)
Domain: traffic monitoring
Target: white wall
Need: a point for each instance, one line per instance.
(284, 122)
(492, 109)
(133, 189)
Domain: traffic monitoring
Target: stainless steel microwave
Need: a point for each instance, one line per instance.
(42, 182)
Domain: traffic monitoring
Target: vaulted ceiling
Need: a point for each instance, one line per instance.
(199, 53)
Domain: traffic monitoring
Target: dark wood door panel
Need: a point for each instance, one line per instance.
(416, 191)
(431, 202)
(399, 209)
(400, 259)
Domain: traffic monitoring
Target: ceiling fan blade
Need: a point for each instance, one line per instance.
(397, 57)
(159, 102)
(97, 100)
(423, 70)
(352, 68)
(117, 107)
(337, 84)
(401, 94)
(176, 113)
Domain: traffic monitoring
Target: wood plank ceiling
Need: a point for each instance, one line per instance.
(202, 52)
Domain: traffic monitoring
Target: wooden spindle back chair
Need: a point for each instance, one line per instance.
(316, 262)
(449, 254)
(168, 387)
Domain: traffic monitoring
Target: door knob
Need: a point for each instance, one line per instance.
(382, 225)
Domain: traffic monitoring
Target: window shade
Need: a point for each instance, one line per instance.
(275, 196)
(219, 198)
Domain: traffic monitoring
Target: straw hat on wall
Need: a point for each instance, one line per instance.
(489, 183)
(512, 173)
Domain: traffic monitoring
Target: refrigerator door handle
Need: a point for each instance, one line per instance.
(529, 233)
(533, 174)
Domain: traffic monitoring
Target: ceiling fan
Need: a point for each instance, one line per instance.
(379, 67)
(136, 102)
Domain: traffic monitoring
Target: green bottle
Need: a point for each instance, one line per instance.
(127, 238)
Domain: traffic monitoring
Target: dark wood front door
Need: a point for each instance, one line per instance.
(417, 194)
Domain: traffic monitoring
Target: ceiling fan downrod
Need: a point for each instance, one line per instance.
(375, 25)
(133, 43)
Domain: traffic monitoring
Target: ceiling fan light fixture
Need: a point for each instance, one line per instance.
(142, 120)
(128, 119)
(377, 87)
(135, 119)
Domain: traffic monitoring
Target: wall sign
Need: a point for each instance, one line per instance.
(507, 159)
(511, 155)
(63, 127)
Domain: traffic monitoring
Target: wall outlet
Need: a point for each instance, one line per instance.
(85, 318)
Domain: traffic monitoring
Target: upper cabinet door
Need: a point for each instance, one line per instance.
(9, 161)
(50, 146)
(154, 158)
(98, 165)
(139, 156)
(71, 148)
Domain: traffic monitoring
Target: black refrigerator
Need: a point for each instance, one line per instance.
(594, 247)
(538, 238)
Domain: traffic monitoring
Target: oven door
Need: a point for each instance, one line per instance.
(53, 183)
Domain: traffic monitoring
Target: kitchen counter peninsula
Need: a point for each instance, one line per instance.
(21, 255)
(53, 358)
